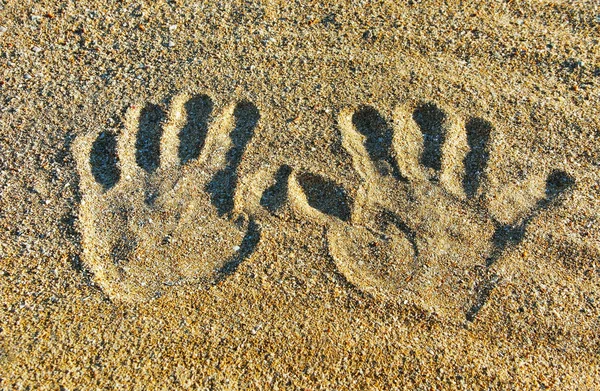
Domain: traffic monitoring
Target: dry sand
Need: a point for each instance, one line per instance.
(287, 195)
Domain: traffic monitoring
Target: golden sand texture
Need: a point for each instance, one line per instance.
(286, 195)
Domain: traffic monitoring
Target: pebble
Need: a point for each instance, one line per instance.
(236, 248)
(3, 29)
(171, 44)
(36, 49)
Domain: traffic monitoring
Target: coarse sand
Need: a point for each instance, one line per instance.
(300, 195)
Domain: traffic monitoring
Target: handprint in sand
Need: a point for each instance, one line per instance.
(419, 228)
(159, 206)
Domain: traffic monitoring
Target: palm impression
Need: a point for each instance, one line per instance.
(419, 229)
(158, 202)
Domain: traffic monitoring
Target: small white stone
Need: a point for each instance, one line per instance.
(36, 49)
(173, 27)
(171, 44)
(3, 29)
(236, 248)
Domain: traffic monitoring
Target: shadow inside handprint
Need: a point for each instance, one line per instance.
(223, 185)
(508, 235)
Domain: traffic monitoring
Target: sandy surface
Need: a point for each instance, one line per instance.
(276, 195)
